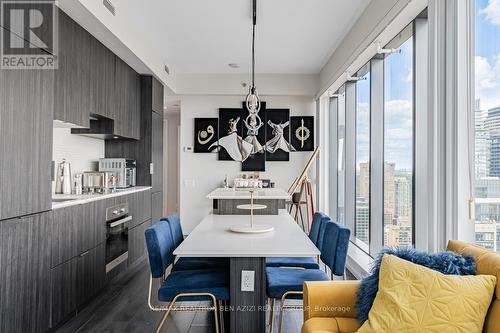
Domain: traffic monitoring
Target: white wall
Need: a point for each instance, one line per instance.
(171, 163)
(201, 173)
(82, 152)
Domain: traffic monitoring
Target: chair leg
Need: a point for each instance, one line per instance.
(271, 317)
(221, 317)
(163, 319)
(282, 310)
(216, 315)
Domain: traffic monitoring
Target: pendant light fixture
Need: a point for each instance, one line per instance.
(253, 100)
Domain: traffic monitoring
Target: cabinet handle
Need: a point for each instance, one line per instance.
(84, 253)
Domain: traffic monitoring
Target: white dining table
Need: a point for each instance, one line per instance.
(247, 252)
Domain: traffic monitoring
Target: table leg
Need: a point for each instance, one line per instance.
(247, 308)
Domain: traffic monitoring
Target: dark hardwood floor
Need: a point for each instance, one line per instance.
(122, 307)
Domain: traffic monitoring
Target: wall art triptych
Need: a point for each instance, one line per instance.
(238, 136)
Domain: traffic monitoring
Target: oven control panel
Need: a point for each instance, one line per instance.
(117, 211)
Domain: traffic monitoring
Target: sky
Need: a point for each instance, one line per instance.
(487, 59)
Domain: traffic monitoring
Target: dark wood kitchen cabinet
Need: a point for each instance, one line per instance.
(25, 274)
(78, 228)
(26, 107)
(157, 96)
(76, 282)
(139, 207)
(137, 242)
(102, 78)
(72, 78)
(156, 206)
(157, 152)
(127, 101)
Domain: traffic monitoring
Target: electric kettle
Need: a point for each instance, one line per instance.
(63, 178)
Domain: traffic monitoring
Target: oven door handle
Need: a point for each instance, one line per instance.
(120, 221)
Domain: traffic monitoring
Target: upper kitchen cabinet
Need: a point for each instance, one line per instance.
(72, 79)
(26, 106)
(157, 152)
(127, 101)
(157, 92)
(102, 78)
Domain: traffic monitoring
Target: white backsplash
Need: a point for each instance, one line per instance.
(82, 152)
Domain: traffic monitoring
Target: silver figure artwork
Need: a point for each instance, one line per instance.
(279, 141)
(236, 147)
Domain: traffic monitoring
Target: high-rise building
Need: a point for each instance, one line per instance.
(364, 180)
(389, 171)
(492, 127)
(402, 197)
(362, 220)
(482, 142)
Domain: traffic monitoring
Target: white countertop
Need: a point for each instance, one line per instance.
(260, 193)
(74, 199)
(211, 238)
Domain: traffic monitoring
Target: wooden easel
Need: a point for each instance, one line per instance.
(305, 195)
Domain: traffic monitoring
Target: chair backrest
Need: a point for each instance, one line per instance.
(334, 248)
(487, 263)
(318, 218)
(160, 247)
(175, 227)
(321, 232)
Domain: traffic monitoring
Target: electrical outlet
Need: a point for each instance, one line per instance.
(247, 280)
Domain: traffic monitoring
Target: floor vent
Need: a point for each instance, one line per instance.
(109, 6)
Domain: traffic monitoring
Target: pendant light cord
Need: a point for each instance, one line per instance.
(254, 21)
(253, 57)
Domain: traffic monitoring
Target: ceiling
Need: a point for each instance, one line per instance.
(200, 37)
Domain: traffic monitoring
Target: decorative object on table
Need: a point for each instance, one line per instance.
(302, 133)
(205, 134)
(305, 190)
(443, 262)
(252, 228)
(225, 182)
(414, 298)
(246, 183)
(266, 183)
(231, 145)
(278, 145)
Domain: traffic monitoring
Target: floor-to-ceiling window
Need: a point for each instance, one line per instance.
(341, 155)
(398, 140)
(362, 210)
(487, 123)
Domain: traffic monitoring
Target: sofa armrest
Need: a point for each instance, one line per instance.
(330, 299)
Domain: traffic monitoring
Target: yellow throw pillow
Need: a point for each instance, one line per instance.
(414, 298)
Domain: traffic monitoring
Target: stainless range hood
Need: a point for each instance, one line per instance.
(100, 128)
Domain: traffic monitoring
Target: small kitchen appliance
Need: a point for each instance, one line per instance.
(63, 178)
(124, 168)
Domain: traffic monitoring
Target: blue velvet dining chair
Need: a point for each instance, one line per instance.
(317, 228)
(189, 263)
(178, 286)
(287, 283)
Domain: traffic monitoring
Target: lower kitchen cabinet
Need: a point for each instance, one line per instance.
(139, 207)
(137, 242)
(78, 228)
(76, 282)
(156, 206)
(25, 274)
